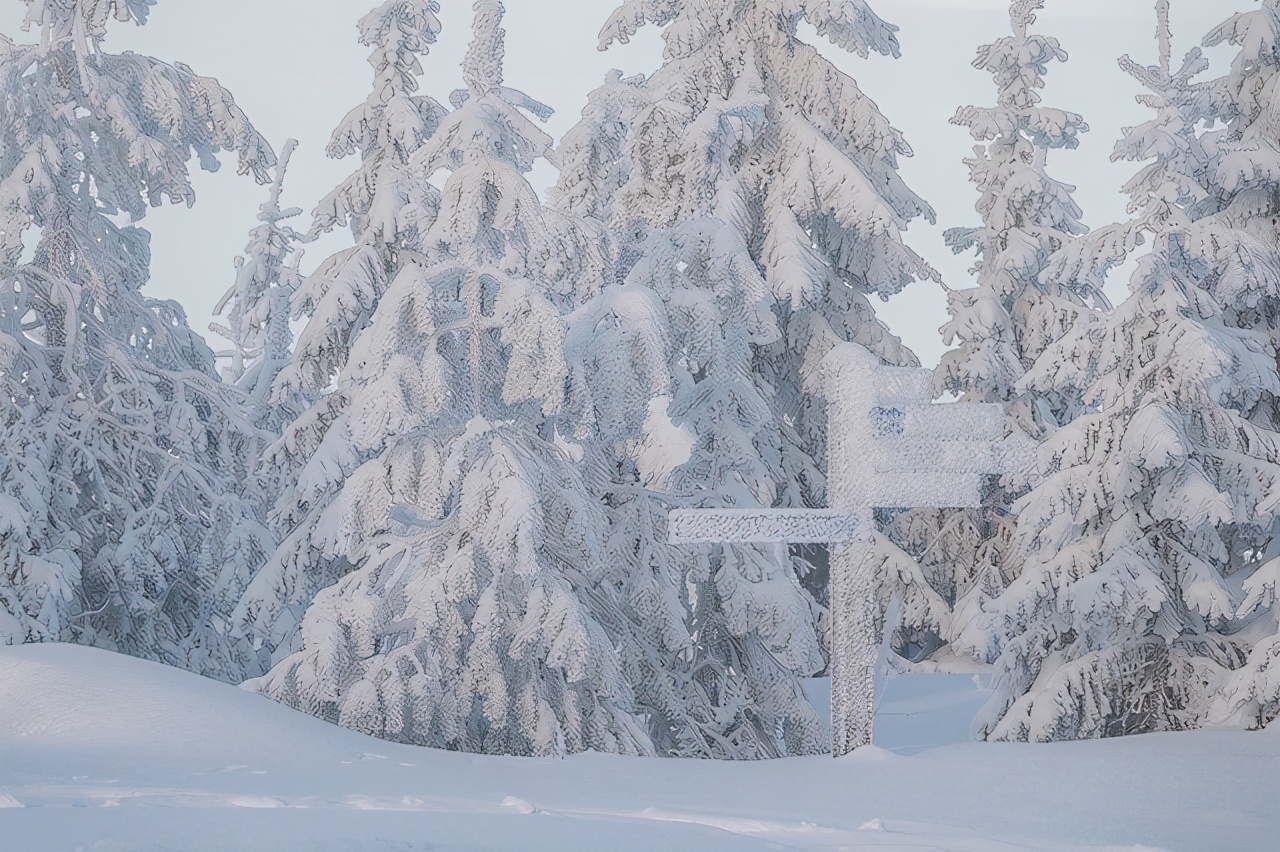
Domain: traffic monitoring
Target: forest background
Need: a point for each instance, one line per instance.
(295, 68)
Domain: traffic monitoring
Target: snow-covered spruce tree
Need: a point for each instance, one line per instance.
(388, 207)
(473, 623)
(1159, 500)
(1246, 179)
(619, 354)
(756, 195)
(116, 436)
(256, 310)
(1001, 326)
(625, 348)
(660, 374)
(747, 123)
(257, 307)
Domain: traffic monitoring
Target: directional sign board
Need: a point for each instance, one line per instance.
(929, 489)
(888, 446)
(761, 526)
(945, 422)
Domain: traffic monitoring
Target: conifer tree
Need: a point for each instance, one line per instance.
(1002, 325)
(1246, 178)
(618, 352)
(116, 438)
(473, 618)
(388, 207)
(752, 193)
(257, 311)
(621, 358)
(1155, 501)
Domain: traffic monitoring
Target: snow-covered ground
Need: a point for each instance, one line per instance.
(103, 752)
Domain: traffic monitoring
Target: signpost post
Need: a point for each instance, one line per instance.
(890, 446)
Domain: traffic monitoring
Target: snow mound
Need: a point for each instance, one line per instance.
(103, 752)
(64, 697)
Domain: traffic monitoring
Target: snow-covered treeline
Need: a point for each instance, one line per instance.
(438, 515)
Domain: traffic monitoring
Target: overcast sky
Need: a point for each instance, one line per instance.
(296, 68)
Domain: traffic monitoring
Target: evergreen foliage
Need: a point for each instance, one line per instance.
(1002, 325)
(473, 618)
(117, 441)
(1157, 501)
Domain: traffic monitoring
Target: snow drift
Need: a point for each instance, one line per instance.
(105, 752)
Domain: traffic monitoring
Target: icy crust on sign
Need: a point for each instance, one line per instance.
(1160, 500)
(783, 526)
(118, 474)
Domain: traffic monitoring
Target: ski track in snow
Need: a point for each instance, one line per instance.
(105, 753)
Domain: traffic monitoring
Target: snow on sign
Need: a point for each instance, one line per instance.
(761, 526)
(893, 448)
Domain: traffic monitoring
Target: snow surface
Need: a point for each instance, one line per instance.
(104, 752)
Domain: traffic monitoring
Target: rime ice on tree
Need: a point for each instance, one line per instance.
(888, 447)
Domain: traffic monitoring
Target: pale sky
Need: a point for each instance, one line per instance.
(296, 68)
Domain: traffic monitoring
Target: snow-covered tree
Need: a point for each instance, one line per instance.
(1155, 503)
(257, 309)
(617, 353)
(1246, 178)
(754, 201)
(621, 356)
(473, 618)
(116, 436)
(1002, 325)
(660, 374)
(388, 208)
(746, 122)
